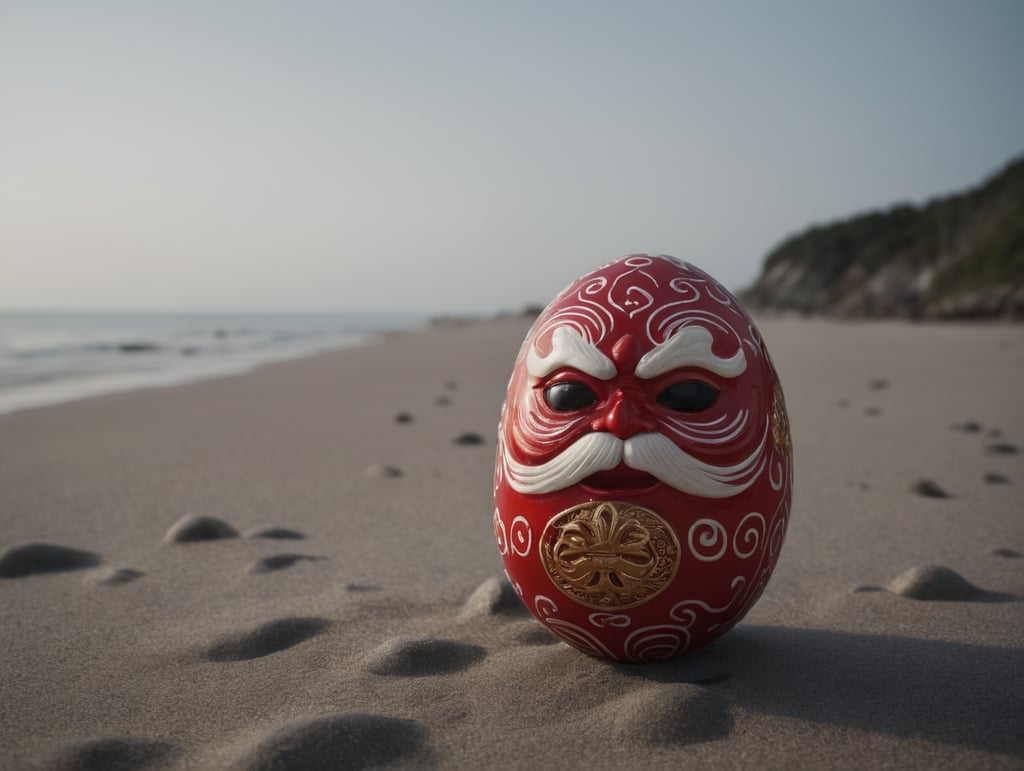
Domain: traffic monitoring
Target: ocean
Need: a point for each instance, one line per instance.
(52, 357)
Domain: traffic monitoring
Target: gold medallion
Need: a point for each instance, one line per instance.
(609, 555)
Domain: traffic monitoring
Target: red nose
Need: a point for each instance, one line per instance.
(624, 417)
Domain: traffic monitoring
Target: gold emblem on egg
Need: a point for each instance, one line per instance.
(609, 555)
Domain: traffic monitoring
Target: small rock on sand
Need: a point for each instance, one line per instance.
(190, 529)
(340, 741)
(381, 471)
(415, 657)
(667, 714)
(933, 582)
(969, 427)
(493, 597)
(1004, 552)
(929, 489)
(1003, 448)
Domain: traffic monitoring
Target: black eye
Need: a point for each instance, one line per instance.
(569, 396)
(688, 396)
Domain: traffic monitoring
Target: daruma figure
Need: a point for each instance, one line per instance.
(643, 477)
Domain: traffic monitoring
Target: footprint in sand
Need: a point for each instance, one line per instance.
(1004, 552)
(1003, 448)
(278, 562)
(277, 533)
(416, 657)
(34, 558)
(272, 637)
(929, 489)
(381, 471)
(190, 529)
(362, 588)
(938, 582)
(666, 714)
(109, 753)
(969, 427)
(117, 576)
(347, 740)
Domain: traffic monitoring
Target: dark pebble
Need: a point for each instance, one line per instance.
(970, 427)
(930, 489)
(1003, 448)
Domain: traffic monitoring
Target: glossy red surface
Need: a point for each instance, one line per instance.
(699, 496)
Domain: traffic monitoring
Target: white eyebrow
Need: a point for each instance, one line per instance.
(569, 349)
(689, 347)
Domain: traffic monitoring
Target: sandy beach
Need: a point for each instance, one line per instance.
(295, 568)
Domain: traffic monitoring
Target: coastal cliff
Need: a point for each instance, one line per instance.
(958, 256)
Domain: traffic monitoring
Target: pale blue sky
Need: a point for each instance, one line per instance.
(468, 155)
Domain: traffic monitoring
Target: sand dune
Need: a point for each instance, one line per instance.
(295, 569)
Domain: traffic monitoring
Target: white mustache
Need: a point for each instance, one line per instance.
(652, 453)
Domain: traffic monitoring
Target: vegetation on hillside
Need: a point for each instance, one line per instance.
(959, 255)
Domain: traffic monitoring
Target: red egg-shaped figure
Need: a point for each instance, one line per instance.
(644, 469)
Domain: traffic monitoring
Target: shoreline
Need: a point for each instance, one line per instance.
(190, 369)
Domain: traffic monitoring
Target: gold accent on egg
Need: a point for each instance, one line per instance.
(609, 555)
(780, 421)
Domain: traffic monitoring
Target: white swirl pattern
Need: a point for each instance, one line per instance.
(751, 534)
(544, 606)
(686, 430)
(620, 620)
(657, 643)
(521, 536)
(500, 534)
(580, 638)
(711, 537)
